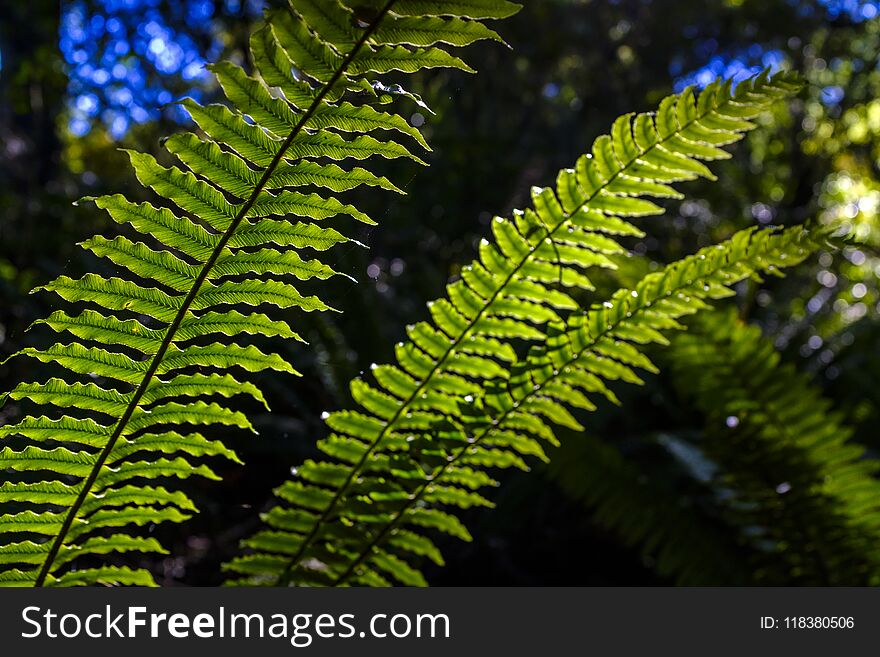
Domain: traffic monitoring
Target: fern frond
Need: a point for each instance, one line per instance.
(503, 297)
(791, 475)
(512, 419)
(670, 530)
(159, 340)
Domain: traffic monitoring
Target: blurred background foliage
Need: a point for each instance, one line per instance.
(81, 79)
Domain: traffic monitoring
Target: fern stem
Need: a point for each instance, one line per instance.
(388, 528)
(193, 293)
(285, 577)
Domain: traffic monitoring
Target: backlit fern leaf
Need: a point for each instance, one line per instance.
(504, 297)
(802, 494)
(152, 351)
(511, 421)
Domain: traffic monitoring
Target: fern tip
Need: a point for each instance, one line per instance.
(9, 358)
(84, 199)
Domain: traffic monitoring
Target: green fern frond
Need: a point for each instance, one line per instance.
(790, 473)
(502, 298)
(159, 340)
(673, 533)
(509, 423)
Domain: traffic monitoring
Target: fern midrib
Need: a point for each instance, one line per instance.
(285, 577)
(193, 293)
(496, 423)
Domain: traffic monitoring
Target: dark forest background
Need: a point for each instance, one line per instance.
(81, 79)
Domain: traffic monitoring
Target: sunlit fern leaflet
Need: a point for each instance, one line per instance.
(509, 295)
(800, 491)
(242, 202)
